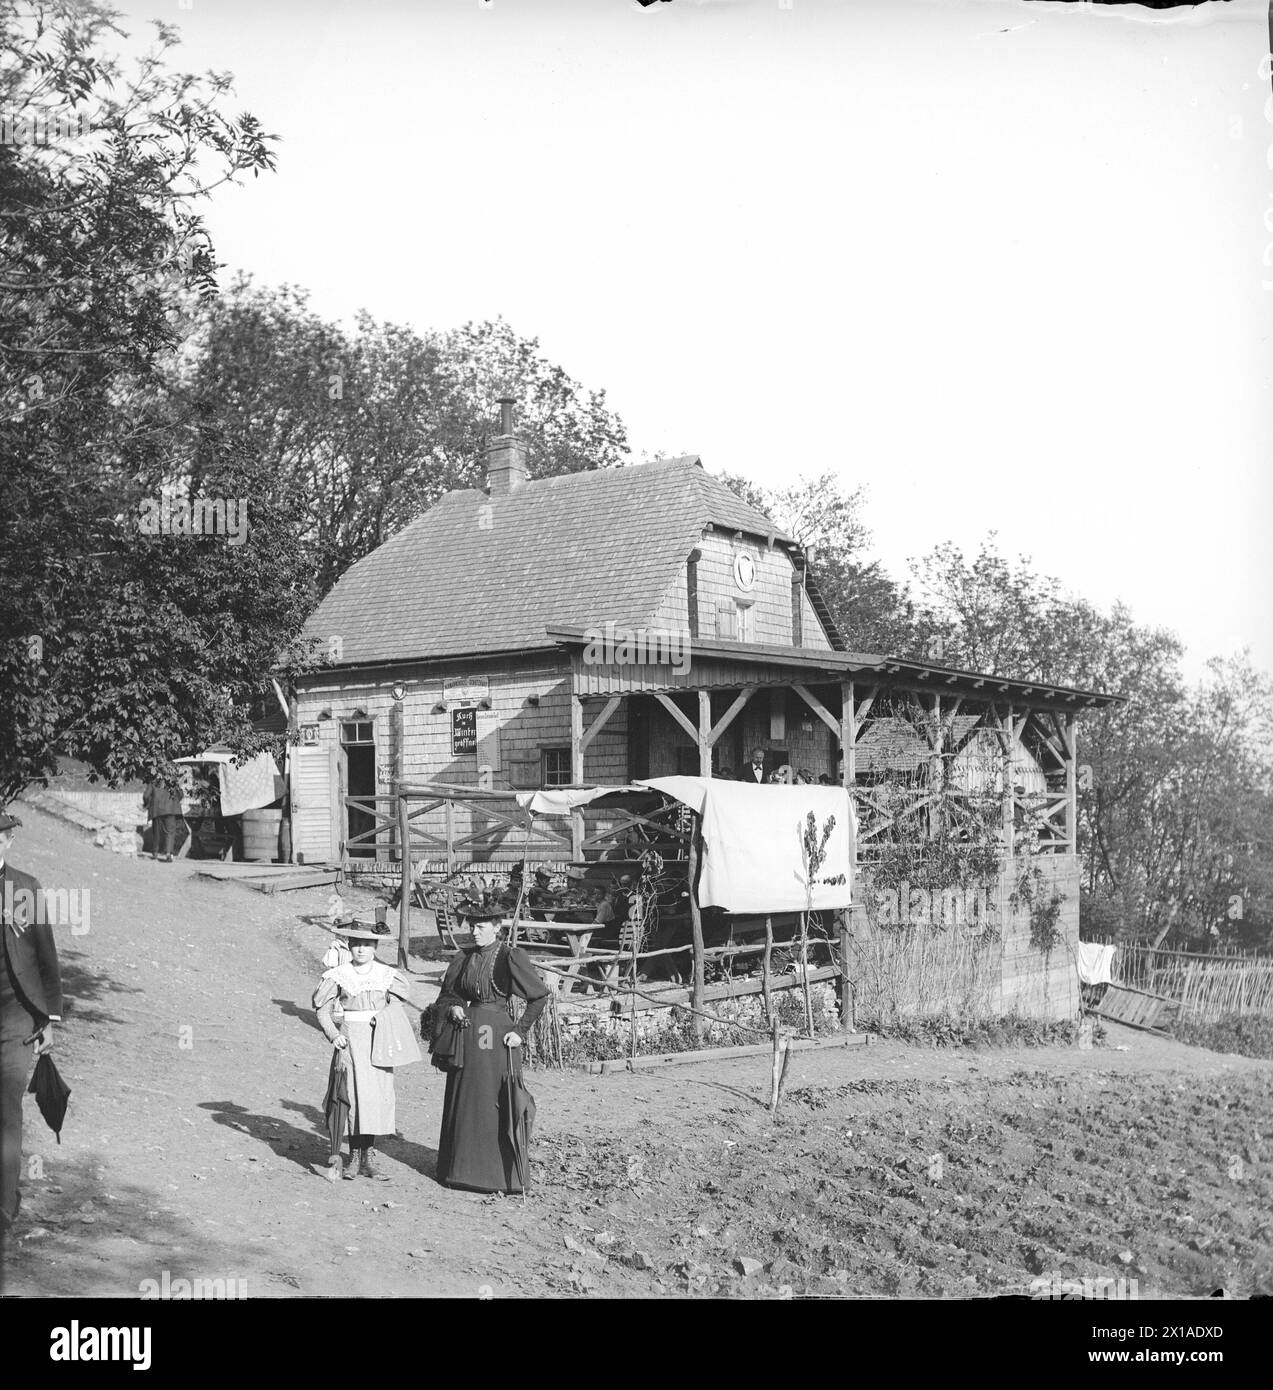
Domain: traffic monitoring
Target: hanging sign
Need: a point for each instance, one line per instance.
(463, 732)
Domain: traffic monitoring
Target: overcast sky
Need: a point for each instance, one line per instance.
(1000, 262)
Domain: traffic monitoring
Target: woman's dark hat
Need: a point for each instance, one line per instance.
(352, 929)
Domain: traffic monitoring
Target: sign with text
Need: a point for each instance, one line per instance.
(469, 690)
(463, 732)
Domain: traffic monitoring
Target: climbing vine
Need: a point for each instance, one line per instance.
(1044, 907)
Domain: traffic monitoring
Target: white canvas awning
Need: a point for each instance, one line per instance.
(753, 838)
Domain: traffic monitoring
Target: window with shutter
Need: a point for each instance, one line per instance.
(726, 621)
(744, 624)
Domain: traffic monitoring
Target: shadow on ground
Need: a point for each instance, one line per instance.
(76, 1238)
(84, 987)
(302, 1147)
(291, 1009)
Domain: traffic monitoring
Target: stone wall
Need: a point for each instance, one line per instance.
(595, 1015)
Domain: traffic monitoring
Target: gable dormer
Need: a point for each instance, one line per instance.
(738, 586)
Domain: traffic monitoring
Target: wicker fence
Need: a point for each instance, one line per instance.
(1207, 987)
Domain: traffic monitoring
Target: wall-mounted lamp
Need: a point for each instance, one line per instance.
(399, 690)
(484, 704)
(359, 713)
(325, 712)
(533, 700)
(440, 707)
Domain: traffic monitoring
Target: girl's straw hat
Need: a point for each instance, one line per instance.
(353, 929)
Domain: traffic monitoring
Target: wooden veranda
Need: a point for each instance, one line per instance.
(670, 826)
(948, 710)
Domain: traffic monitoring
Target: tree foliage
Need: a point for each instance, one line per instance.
(363, 430)
(866, 604)
(111, 647)
(1176, 784)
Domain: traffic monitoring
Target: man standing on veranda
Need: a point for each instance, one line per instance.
(30, 1004)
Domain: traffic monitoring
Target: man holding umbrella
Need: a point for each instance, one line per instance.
(30, 1004)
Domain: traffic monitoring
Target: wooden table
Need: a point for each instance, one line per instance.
(577, 936)
(550, 914)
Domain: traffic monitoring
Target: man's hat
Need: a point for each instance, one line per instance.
(8, 822)
(354, 930)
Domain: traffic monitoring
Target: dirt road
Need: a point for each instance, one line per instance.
(198, 1072)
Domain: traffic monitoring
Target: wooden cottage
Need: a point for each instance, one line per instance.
(639, 622)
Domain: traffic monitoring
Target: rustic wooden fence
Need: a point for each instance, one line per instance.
(1207, 986)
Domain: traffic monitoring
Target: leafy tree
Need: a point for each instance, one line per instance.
(990, 615)
(364, 430)
(870, 609)
(109, 648)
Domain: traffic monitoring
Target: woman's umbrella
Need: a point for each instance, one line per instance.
(51, 1093)
(336, 1102)
(519, 1119)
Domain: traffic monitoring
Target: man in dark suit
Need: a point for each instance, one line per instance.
(30, 1004)
(163, 807)
(756, 768)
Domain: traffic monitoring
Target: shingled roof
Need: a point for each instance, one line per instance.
(488, 574)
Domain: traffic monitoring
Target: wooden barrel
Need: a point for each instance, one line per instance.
(260, 835)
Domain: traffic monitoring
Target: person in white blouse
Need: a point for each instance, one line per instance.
(362, 985)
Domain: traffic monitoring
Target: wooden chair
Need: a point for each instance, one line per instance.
(441, 903)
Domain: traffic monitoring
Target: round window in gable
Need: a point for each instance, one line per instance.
(745, 571)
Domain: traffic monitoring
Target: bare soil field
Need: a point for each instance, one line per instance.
(891, 1171)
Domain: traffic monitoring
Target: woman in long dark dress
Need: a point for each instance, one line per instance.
(485, 1133)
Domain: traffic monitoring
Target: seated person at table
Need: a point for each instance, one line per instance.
(514, 889)
(611, 913)
(540, 893)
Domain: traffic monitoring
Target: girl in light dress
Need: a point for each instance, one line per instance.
(362, 985)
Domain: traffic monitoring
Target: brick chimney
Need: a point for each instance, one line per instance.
(505, 455)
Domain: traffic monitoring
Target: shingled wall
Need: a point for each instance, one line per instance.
(512, 734)
(771, 595)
